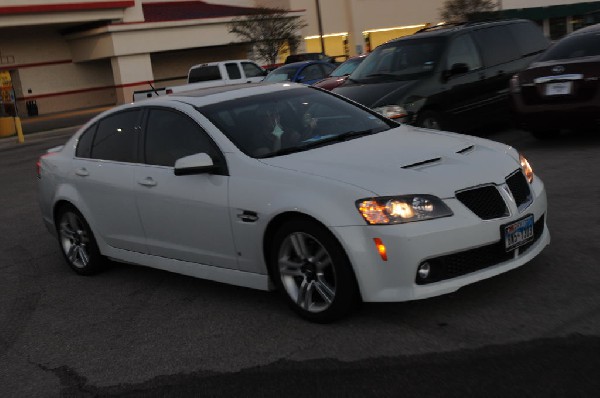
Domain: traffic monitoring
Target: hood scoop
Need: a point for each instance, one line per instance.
(423, 163)
(432, 161)
(466, 150)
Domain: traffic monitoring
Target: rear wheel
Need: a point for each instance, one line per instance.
(430, 119)
(312, 271)
(77, 242)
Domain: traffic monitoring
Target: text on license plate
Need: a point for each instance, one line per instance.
(561, 88)
(518, 233)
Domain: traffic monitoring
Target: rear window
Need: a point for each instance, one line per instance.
(204, 74)
(576, 46)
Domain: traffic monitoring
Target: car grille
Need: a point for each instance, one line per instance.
(465, 262)
(485, 201)
(519, 187)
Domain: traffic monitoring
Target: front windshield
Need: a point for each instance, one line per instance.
(402, 60)
(347, 67)
(281, 74)
(292, 120)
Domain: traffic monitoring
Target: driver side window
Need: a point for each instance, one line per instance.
(463, 51)
(171, 135)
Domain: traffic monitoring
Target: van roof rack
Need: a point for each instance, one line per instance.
(449, 25)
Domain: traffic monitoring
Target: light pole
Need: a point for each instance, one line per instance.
(320, 26)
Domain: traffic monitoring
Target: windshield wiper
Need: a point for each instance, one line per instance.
(325, 141)
(388, 75)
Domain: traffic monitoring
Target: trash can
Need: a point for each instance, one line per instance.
(7, 126)
(32, 108)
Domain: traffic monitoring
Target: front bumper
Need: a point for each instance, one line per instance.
(409, 245)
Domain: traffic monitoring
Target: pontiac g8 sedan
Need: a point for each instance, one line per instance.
(289, 187)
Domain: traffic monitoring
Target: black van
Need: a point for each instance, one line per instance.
(450, 77)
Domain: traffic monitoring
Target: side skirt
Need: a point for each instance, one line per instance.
(224, 275)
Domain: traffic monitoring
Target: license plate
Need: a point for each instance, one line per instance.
(518, 233)
(562, 88)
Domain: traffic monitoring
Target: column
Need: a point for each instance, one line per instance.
(131, 73)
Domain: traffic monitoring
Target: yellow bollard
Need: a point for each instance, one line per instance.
(20, 136)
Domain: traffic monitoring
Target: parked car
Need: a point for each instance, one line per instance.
(289, 186)
(446, 77)
(340, 74)
(308, 57)
(210, 75)
(221, 73)
(306, 72)
(561, 89)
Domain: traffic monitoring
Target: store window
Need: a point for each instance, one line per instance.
(558, 27)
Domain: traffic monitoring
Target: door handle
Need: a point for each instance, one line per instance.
(82, 172)
(147, 182)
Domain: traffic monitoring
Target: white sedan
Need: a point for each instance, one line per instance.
(291, 187)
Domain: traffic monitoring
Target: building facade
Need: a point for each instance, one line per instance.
(72, 54)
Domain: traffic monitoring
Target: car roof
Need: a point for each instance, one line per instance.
(587, 30)
(210, 95)
(302, 63)
(449, 29)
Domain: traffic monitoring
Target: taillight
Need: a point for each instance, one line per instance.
(38, 164)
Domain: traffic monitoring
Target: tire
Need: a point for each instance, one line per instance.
(312, 271)
(77, 242)
(430, 120)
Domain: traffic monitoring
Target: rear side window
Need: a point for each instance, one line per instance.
(116, 137)
(84, 143)
(529, 38)
(576, 46)
(204, 74)
(497, 45)
(171, 135)
(233, 71)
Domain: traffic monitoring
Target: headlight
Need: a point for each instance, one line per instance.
(526, 167)
(402, 209)
(391, 111)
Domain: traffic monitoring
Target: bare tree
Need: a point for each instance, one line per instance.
(458, 10)
(269, 30)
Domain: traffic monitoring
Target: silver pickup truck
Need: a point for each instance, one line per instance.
(210, 75)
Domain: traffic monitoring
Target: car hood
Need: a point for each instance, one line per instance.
(375, 94)
(331, 82)
(407, 160)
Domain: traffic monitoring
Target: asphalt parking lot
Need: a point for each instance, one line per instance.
(134, 331)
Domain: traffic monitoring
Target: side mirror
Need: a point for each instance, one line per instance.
(456, 69)
(194, 164)
(300, 79)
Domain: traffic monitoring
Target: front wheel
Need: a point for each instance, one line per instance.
(312, 271)
(77, 243)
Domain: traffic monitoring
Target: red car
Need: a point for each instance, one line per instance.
(340, 74)
(561, 89)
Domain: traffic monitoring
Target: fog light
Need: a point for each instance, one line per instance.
(424, 270)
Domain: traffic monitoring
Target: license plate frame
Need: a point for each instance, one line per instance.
(518, 233)
(558, 88)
